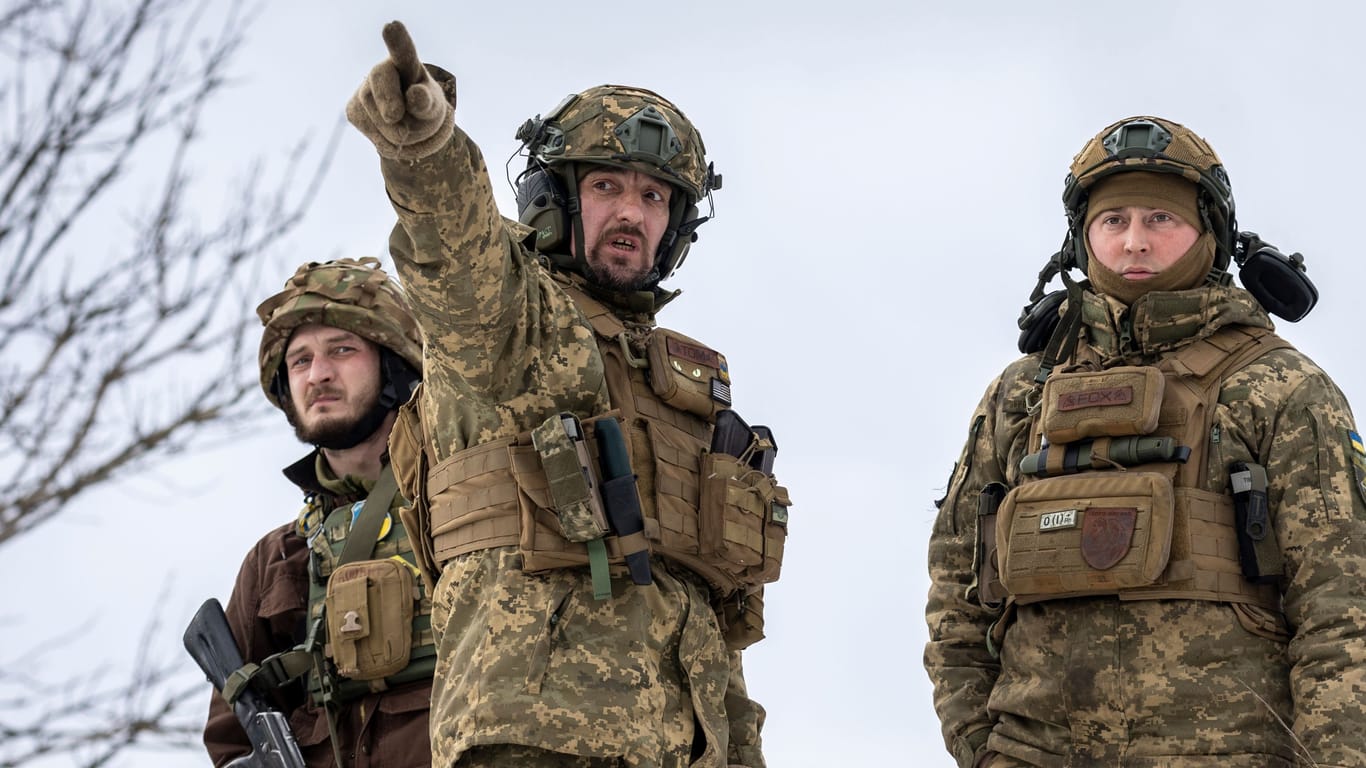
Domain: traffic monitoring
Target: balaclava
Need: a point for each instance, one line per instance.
(1169, 192)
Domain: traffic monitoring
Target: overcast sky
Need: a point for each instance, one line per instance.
(892, 181)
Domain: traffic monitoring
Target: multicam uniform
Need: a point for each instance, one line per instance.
(268, 614)
(1097, 680)
(532, 658)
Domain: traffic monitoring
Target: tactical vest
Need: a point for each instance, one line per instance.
(1114, 498)
(344, 614)
(709, 511)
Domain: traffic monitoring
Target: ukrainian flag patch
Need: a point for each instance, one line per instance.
(1358, 453)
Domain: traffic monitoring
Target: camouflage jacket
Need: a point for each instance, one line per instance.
(533, 659)
(267, 612)
(1102, 681)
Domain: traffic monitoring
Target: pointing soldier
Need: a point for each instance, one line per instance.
(598, 547)
(1150, 550)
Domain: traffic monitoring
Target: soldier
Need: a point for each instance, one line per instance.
(572, 632)
(339, 354)
(1150, 550)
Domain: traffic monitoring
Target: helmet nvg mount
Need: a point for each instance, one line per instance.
(619, 126)
(354, 295)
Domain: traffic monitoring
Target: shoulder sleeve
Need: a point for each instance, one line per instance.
(957, 659)
(1296, 423)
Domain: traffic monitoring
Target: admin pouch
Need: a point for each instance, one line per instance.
(1079, 535)
(369, 609)
(1110, 403)
(687, 374)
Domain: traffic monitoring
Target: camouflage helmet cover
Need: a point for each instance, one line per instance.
(354, 295)
(1154, 145)
(630, 128)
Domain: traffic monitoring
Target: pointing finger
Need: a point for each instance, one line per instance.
(403, 53)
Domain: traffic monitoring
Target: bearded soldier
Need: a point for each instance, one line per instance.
(1150, 551)
(598, 546)
(339, 354)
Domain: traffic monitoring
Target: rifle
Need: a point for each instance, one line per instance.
(209, 640)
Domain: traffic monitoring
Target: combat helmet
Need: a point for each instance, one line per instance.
(620, 126)
(354, 295)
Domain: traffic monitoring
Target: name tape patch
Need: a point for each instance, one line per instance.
(1095, 398)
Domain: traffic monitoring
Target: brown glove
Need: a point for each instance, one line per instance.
(400, 107)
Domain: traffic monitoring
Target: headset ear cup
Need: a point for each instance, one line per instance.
(541, 205)
(1278, 284)
(1038, 320)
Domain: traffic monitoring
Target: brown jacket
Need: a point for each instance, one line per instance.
(266, 612)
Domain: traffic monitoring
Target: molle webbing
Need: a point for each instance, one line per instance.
(475, 506)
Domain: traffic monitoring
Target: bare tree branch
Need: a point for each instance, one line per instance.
(89, 719)
(119, 353)
(125, 326)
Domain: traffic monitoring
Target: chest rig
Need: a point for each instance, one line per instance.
(368, 611)
(1115, 496)
(721, 515)
(369, 616)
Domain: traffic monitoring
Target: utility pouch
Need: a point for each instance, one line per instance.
(1258, 552)
(687, 374)
(369, 607)
(742, 619)
(568, 470)
(1118, 401)
(990, 592)
(742, 519)
(1088, 534)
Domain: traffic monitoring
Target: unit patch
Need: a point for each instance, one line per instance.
(1357, 451)
(383, 527)
(1105, 535)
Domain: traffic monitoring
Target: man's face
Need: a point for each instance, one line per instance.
(1137, 243)
(334, 381)
(624, 215)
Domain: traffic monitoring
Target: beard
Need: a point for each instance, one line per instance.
(339, 431)
(612, 275)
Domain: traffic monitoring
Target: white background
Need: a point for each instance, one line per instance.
(892, 181)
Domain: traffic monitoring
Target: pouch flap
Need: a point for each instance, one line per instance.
(1112, 403)
(687, 374)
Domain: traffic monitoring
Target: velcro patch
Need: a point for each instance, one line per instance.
(1095, 398)
(694, 353)
(1106, 534)
(1357, 451)
(1056, 521)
